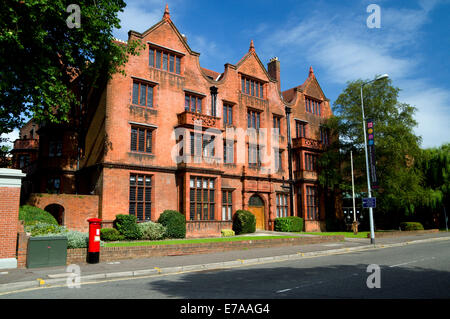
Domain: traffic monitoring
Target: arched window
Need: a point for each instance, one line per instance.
(256, 200)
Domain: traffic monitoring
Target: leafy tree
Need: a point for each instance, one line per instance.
(40, 55)
(396, 148)
(5, 159)
(435, 165)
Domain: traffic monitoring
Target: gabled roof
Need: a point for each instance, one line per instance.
(164, 20)
(289, 95)
(251, 52)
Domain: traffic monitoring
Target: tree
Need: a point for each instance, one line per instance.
(5, 155)
(435, 165)
(396, 148)
(41, 54)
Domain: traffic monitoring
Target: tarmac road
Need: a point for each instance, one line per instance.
(420, 270)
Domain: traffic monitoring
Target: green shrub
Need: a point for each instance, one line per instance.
(31, 215)
(76, 239)
(411, 226)
(227, 232)
(110, 234)
(175, 223)
(244, 222)
(127, 226)
(152, 231)
(43, 229)
(288, 224)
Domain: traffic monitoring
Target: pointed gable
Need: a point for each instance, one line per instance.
(165, 33)
(311, 86)
(251, 65)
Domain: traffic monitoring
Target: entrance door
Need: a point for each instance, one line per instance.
(259, 214)
(256, 207)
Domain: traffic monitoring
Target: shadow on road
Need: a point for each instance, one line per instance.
(343, 281)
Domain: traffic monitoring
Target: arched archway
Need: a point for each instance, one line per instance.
(256, 207)
(56, 211)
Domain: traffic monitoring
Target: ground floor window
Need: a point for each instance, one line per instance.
(140, 196)
(227, 205)
(312, 203)
(282, 205)
(201, 198)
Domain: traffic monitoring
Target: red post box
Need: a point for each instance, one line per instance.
(94, 240)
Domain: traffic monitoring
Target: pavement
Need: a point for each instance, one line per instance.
(20, 279)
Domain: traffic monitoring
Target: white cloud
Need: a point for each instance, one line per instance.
(433, 114)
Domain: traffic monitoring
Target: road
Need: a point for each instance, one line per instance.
(412, 271)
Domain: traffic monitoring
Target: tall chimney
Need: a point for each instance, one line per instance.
(274, 70)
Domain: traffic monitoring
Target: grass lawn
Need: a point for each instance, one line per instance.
(190, 241)
(362, 234)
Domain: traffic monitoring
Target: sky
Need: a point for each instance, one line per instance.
(412, 44)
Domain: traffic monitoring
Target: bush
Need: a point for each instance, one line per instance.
(110, 234)
(411, 226)
(289, 224)
(76, 239)
(127, 226)
(152, 231)
(43, 229)
(244, 222)
(227, 232)
(31, 215)
(175, 223)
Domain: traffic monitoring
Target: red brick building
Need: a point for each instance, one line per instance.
(173, 135)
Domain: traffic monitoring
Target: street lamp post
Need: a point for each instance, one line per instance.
(369, 190)
(288, 111)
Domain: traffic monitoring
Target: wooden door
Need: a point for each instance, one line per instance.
(259, 214)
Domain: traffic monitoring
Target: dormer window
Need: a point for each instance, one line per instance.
(313, 106)
(252, 87)
(164, 60)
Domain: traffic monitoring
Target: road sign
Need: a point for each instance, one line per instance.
(369, 202)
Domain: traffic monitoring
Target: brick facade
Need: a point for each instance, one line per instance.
(75, 210)
(120, 119)
(10, 182)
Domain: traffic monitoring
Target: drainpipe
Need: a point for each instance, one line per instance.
(214, 92)
(291, 192)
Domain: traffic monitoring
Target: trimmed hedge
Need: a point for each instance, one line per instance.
(127, 226)
(244, 222)
(110, 234)
(175, 223)
(227, 232)
(152, 231)
(31, 215)
(411, 226)
(288, 224)
(76, 239)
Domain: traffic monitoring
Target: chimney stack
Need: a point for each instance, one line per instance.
(274, 70)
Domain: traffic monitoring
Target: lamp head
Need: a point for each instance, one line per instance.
(381, 77)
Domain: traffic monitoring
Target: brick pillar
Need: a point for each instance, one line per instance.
(10, 182)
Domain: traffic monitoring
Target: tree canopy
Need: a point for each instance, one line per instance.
(396, 148)
(41, 52)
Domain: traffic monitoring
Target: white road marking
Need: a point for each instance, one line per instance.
(411, 262)
(284, 290)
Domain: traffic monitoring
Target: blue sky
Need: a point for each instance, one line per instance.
(412, 45)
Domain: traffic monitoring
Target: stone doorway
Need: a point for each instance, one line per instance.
(256, 207)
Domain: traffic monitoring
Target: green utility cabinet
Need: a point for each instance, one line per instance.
(47, 251)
